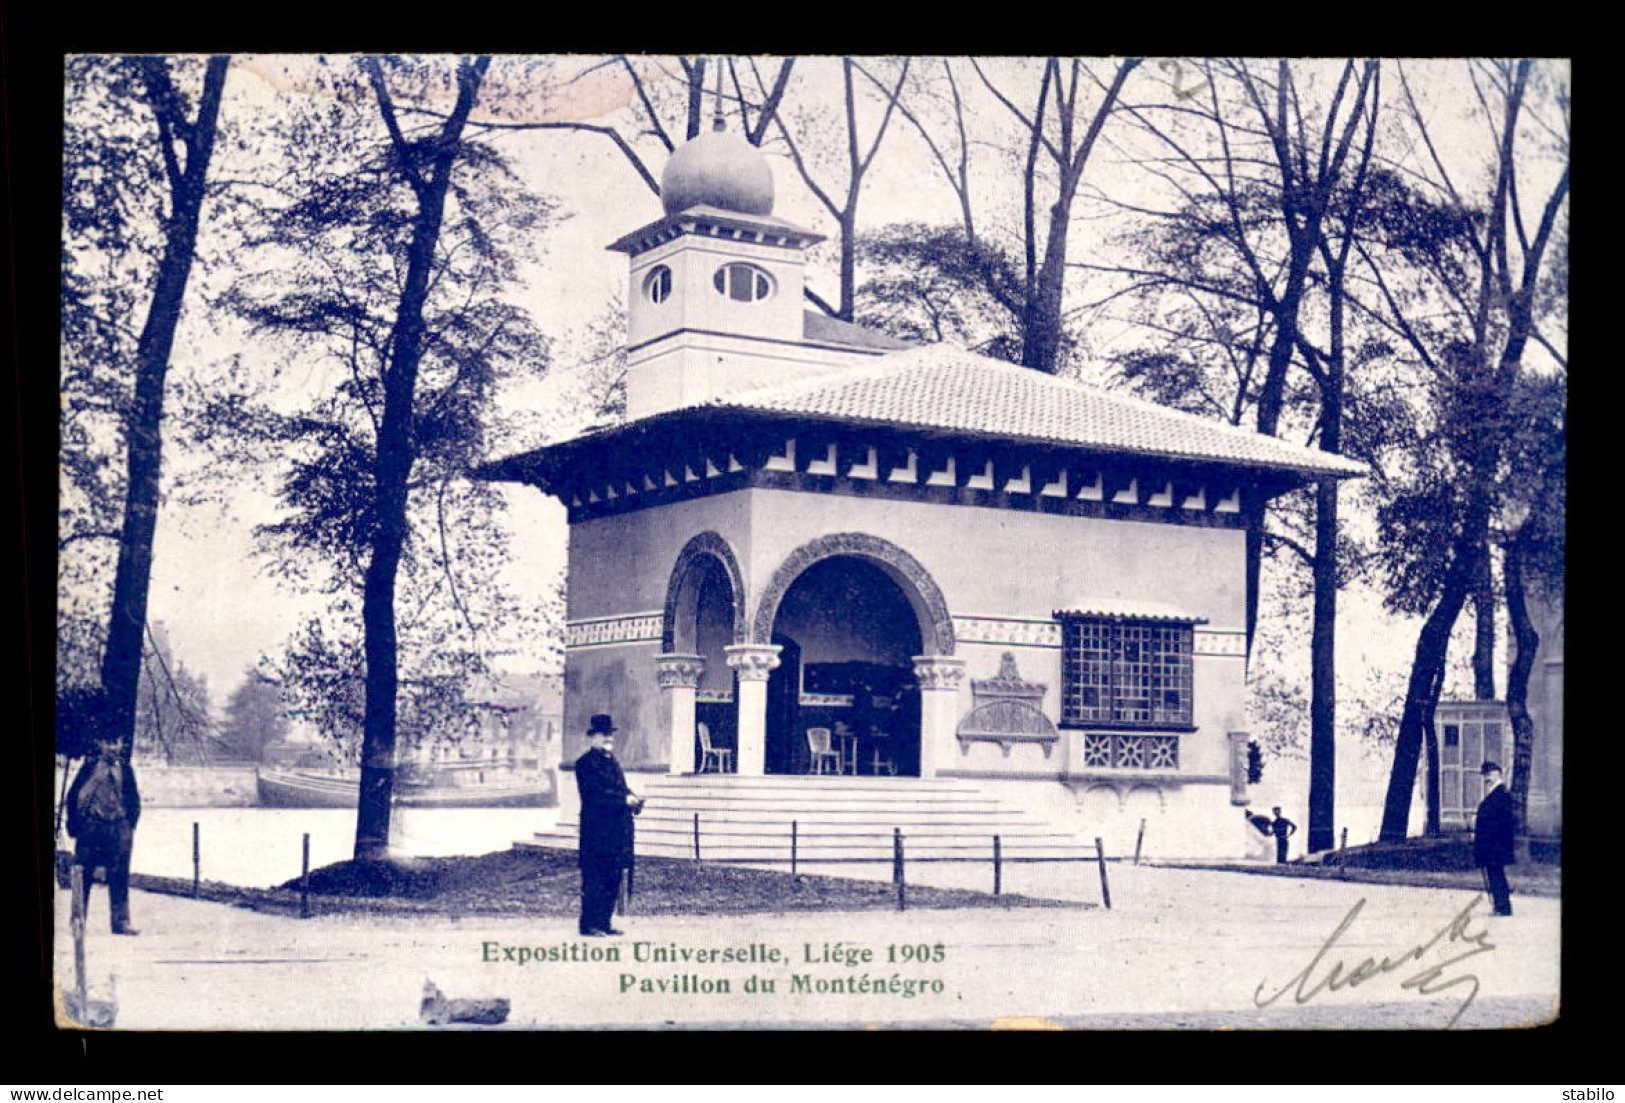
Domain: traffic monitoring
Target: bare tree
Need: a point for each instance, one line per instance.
(1269, 190)
(859, 156)
(1056, 137)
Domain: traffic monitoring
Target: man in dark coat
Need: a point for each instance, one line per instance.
(103, 807)
(1493, 837)
(1283, 829)
(607, 808)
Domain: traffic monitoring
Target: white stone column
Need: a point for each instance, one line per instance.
(679, 676)
(940, 677)
(753, 662)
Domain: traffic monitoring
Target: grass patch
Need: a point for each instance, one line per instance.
(1528, 880)
(538, 882)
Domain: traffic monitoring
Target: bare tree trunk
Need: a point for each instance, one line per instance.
(427, 165)
(1427, 676)
(1526, 642)
(1434, 796)
(121, 660)
(1484, 632)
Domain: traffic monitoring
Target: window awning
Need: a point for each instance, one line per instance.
(1131, 610)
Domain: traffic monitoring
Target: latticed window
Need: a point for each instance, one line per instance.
(1131, 752)
(1125, 672)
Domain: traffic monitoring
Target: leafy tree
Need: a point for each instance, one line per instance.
(133, 200)
(387, 270)
(1482, 292)
(931, 283)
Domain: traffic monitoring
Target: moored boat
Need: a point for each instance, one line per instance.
(449, 786)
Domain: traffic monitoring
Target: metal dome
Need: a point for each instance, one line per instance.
(720, 170)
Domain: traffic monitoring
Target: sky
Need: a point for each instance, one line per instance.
(221, 609)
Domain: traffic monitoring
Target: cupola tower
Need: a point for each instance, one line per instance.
(716, 285)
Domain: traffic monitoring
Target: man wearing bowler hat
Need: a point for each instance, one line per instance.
(1492, 837)
(607, 808)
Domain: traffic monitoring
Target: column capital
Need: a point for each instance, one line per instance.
(753, 661)
(939, 672)
(674, 671)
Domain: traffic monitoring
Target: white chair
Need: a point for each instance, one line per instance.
(722, 756)
(822, 753)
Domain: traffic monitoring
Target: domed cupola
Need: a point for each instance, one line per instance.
(719, 170)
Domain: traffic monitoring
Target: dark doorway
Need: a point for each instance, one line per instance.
(781, 707)
(703, 626)
(855, 635)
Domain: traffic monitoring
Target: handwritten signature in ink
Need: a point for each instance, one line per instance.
(1324, 975)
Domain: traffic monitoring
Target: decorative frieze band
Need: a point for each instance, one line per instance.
(1227, 643)
(619, 631)
(1008, 631)
(1145, 491)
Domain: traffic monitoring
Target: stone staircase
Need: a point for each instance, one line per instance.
(837, 819)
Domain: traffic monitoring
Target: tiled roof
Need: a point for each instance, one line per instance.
(818, 326)
(949, 389)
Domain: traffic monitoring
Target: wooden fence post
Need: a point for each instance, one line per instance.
(76, 885)
(792, 848)
(897, 867)
(1105, 888)
(696, 836)
(304, 879)
(197, 858)
(997, 862)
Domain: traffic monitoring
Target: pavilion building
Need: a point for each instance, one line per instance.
(981, 580)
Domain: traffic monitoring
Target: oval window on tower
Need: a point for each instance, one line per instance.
(744, 283)
(657, 284)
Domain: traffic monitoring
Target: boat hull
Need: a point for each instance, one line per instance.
(293, 789)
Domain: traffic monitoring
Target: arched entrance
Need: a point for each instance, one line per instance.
(703, 616)
(849, 635)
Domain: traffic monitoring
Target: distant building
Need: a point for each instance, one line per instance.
(957, 567)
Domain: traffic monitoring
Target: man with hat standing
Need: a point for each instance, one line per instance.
(103, 807)
(607, 808)
(1493, 837)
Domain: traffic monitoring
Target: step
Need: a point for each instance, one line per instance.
(837, 818)
(801, 781)
(812, 811)
(976, 850)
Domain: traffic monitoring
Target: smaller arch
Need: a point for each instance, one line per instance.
(705, 545)
(1145, 795)
(1096, 795)
(916, 583)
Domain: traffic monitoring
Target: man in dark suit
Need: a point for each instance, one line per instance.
(1493, 832)
(103, 807)
(607, 808)
(1283, 829)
